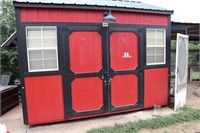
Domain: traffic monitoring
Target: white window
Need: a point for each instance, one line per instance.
(42, 50)
(155, 46)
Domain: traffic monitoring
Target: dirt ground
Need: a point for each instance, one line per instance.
(192, 100)
(188, 127)
(14, 120)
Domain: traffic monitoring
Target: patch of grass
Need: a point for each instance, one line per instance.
(195, 75)
(186, 115)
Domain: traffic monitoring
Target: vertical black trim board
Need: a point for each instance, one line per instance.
(65, 59)
(144, 51)
(24, 48)
(62, 61)
(107, 64)
(106, 99)
(60, 47)
(142, 61)
(21, 64)
(169, 56)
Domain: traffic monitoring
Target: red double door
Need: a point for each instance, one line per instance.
(104, 73)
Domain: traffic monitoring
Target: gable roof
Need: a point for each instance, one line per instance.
(95, 4)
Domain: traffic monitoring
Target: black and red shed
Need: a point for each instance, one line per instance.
(74, 65)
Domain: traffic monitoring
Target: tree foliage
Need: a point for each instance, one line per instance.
(192, 45)
(192, 55)
(8, 56)
(9, 62)
(7, 20)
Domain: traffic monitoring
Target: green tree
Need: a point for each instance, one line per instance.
(8, 56)
(9, 62)
(7, 20)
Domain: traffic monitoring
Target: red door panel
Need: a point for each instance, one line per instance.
(123, 51)
(124, 90)
(155, 87)
(87, 94)
(85, 51)
(124, 57)
(44, 99)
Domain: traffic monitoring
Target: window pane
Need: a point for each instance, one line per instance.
(34, 42)
(35, 55)
(151, 51)
(36, 65)
(50, 64)
(150, 41)
(160, 33)
(150, 33)
(154, 53)
(159, 51)
(49, 54)
(49, 32)
(150, 59)
(43, 41)
(160, 58)
(160, 41)
(34, 32)
(49, 42)
(50, 59)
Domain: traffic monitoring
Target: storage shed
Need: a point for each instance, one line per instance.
(86, 58)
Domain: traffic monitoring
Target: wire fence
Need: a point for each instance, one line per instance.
(193, 65)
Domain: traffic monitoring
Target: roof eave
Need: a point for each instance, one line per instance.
(94, 7)
(11, 41)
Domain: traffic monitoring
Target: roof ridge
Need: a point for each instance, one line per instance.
(126, 1)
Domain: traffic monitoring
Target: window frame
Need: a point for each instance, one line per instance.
(156, 46)
(41, 48)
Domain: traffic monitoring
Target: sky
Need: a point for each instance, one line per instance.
(184, 11)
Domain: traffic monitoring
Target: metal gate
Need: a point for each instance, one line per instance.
(181, 71)
(103, 70)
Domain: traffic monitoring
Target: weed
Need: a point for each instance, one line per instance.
(186, 115)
